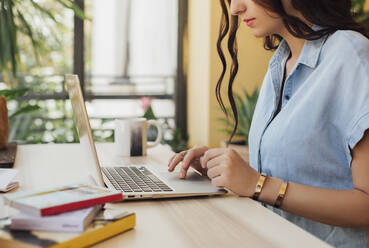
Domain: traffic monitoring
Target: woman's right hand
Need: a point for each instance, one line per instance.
(188, 158)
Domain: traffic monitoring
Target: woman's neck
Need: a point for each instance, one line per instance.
(295, 44)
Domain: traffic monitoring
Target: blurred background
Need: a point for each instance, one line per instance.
(152, 58)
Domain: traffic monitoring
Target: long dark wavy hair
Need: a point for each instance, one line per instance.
(333, 15)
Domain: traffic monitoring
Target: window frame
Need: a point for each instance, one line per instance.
(180, 90)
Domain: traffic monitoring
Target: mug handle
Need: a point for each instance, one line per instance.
(160, 133)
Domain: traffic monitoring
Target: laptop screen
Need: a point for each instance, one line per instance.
(84, 129)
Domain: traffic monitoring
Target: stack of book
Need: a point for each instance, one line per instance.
(7, 181)
(69, 209)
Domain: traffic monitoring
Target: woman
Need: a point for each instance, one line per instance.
(308, 135)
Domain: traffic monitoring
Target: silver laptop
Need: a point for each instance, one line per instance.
(136, 181)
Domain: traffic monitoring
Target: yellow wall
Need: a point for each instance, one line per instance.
(367, 5)
(204, 68)
(198, 74)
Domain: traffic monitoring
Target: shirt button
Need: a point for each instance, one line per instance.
(287, 97)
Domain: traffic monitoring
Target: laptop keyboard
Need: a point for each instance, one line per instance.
(134, 179)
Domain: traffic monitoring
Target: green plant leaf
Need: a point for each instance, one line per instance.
(43, 10)
(13, 21)
(24, 110)
(178, 143)
(227, 131)
(363, 18)
(9, 39)
(245, 105)
(226, 121)
(76, 9)
(358, 6)
(149, 114)
(13, 94)
(29, 33)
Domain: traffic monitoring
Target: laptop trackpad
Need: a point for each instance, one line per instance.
(193, 183)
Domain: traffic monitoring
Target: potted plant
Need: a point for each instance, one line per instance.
(245, 105)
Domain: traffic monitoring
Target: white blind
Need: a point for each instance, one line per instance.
(134, 37)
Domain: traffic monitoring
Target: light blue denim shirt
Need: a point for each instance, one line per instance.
(324, 114)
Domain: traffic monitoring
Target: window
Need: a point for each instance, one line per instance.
(128, 50)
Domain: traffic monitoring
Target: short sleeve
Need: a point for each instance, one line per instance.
(358, 130)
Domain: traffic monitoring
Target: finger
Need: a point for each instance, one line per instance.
(171, 159)
(183, 173)
(218, 182)
(175, 154)
(210, 154)
(178, 158)
(215, 172)
(214, 162)
(190, 156)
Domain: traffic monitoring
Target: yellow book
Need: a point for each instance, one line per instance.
(107, 224)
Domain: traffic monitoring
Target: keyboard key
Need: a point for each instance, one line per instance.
(133, 179)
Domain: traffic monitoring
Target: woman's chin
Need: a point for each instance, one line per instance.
(258, 33)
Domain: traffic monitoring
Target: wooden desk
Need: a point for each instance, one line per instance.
(226, 221)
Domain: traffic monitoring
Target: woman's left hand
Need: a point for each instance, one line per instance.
(227, 169)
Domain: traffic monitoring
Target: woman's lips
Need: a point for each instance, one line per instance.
(250, 21)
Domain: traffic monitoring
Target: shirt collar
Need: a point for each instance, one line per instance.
(309, 55)
(311, 52)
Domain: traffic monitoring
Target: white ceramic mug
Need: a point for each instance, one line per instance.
(130, 136)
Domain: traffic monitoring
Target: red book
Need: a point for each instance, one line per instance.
(61, 199)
